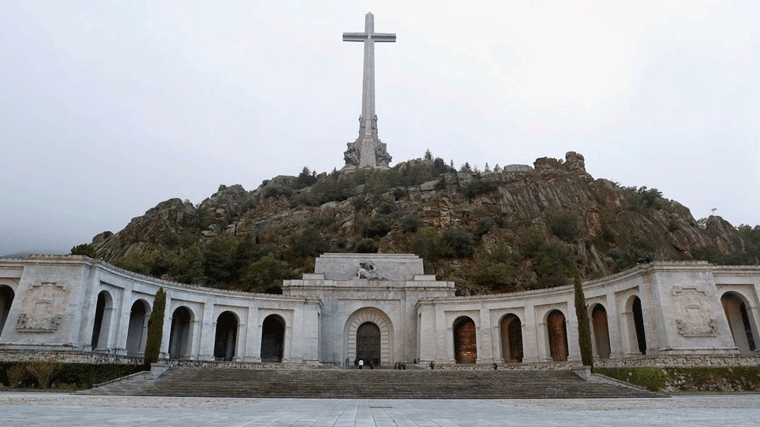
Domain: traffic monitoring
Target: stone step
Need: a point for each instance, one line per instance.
(352, 383)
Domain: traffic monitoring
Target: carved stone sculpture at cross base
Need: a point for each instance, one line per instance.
(367, 151)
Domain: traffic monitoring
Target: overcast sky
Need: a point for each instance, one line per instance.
(110, 107)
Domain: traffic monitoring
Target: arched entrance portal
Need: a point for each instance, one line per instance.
(381, 321)
(368, 343)
(601, 331)
(179, 338)
(138, 325)
(102, 324)
(6, 299)
(272, 339)
(511, 338)
(739, 321)
(555, 323)
(226, 336)
(465, 341)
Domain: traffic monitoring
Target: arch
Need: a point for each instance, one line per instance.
(601, 331)
(6, 299)
(557, 328)
(225, 338)
(382, 321)
(636, 335)
(273, 339)
(511, 338)
(102, 323)
(465, 340)
(180, 333)
(740, 322)
(137, 334)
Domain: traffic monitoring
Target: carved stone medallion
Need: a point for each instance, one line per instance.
(694, 313)
(41, 307)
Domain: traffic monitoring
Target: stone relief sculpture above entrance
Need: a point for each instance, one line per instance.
(368, 270)
(695, 314)
(40, 308)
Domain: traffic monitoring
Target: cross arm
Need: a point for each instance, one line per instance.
(384, 37)
(354, 37)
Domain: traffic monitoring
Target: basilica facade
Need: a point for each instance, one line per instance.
(379, 308)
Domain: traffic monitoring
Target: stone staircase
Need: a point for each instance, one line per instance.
(378, 384)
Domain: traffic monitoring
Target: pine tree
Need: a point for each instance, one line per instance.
(584, 327)
(155, 329)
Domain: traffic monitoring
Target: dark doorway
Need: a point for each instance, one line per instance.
(557, 336)
(368, 343)
(103, 309)
(179, 337)
(601, 331)
(465, 343)
(638, 322)
(272, 339)
(226, 336)
(6, 299)
(136, 334)
(511, 338)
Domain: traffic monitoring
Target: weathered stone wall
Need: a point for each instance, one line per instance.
(701, 361)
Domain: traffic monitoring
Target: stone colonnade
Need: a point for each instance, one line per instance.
(661, 309)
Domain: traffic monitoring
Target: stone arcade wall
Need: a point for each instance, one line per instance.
(658, 314)
(681, 313)
(56, 308)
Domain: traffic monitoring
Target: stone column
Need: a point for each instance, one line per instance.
(204, 343)
(483, 334)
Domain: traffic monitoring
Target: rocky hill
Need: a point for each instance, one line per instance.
(511, 228)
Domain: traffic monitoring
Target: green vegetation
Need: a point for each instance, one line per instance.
(564, 225)
(85, 249)
(688, 379)
(155, 329)
(750, 256)
(516, 238)
(584, 325)
(62, 375)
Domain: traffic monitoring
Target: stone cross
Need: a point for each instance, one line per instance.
(367, 150)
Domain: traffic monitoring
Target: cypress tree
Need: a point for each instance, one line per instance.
(155, 329)
(584, 327)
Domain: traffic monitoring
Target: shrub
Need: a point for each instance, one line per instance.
(479, 187)
(387, 209)
(365, 246)
(564, 225)
(495, 275)
(484, 226)
(266, 273)
(309, 243)
(411, 223)
(155, 329)
(553, 265)
(80, 375)
(584, 326)
(377, 227)
(43, 371)
(456, 243)
(16, 375)
(85, 249)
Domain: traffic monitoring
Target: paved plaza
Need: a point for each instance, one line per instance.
(57, 409)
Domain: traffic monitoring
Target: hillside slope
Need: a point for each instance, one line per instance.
(516, 227)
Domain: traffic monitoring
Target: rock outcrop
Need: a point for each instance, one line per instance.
(596, 220)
